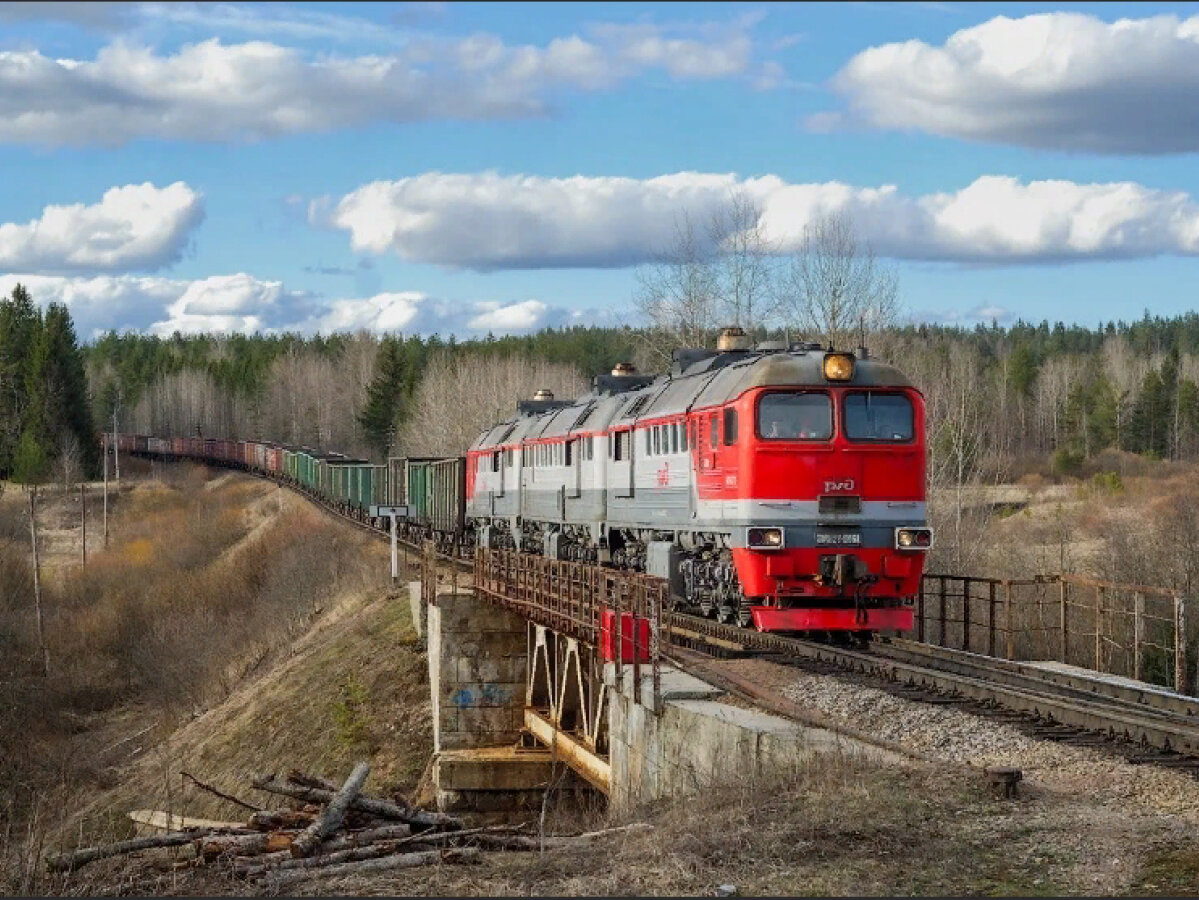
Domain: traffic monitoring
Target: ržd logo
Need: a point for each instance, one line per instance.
(845, 484)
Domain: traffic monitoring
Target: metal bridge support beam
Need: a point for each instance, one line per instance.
(565, 701)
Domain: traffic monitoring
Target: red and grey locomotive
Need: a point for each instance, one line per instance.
(781, 486)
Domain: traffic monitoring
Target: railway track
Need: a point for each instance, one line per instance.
(1142, 724)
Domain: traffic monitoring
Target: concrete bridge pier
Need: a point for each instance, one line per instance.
(478, 675)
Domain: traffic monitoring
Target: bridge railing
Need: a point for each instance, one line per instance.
(1135, 631)
(572, 598)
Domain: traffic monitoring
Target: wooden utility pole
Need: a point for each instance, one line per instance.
(106, 492)
(37, 583)
(116, 450)
(83, 519)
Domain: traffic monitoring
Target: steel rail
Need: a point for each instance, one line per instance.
(1148, 699)
(1147, 727)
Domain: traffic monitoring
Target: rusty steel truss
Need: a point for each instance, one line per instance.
(564, 603)
(569, 598)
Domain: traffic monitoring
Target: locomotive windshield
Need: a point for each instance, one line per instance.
(871, 416)
(801, 416)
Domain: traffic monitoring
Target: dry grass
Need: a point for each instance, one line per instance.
(832, 827)
(194, 614)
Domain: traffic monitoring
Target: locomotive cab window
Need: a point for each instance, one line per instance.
(876, 416)
(798, 416)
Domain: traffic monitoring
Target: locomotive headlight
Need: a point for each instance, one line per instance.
(838, 366)
(913, 538)
(765, 538)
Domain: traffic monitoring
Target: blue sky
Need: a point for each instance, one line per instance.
(466, 167)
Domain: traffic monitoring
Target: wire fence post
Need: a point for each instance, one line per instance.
(1063, 592)
(966, 613)
(633, 620)
(655, 624)
(1009, 634)
(942, 638)
(920, 613)
(1098, 628)
(1138, 637)
(1180, 644)
(991, 619)
(83, 519)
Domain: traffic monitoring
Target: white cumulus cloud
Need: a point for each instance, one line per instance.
(414, 312)
(258, 89)
(138, 227)
(489, 221)
(1060, 80)
(245, 304)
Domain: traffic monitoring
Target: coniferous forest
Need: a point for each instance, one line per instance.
(1001, 399)
(46, 422)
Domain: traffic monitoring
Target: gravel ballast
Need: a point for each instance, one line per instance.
(954, 735)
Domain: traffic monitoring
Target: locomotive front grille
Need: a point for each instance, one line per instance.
(835, 503)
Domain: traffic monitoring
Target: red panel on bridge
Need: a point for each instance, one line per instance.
(608, 638)
(770, 618)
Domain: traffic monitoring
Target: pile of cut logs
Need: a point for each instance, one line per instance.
(329, 831)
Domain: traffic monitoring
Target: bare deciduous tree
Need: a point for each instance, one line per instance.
(305, 398)
(461, 395)
(958, 427)
(1126, 370)
(834, 288)
(68, 463)
(724, 275)
(1057, 379)
(678, 293)
(743, 269)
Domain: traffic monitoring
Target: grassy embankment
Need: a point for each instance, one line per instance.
(229, 628)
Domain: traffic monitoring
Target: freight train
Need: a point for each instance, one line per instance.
(779, 486)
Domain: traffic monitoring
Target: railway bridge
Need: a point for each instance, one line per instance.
(547, 672)
(538, 665)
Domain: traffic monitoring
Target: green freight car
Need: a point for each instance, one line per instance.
(436, 495)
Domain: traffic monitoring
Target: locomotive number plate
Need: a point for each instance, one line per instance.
(825, 538)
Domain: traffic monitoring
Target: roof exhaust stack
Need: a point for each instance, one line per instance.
(733, 338)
